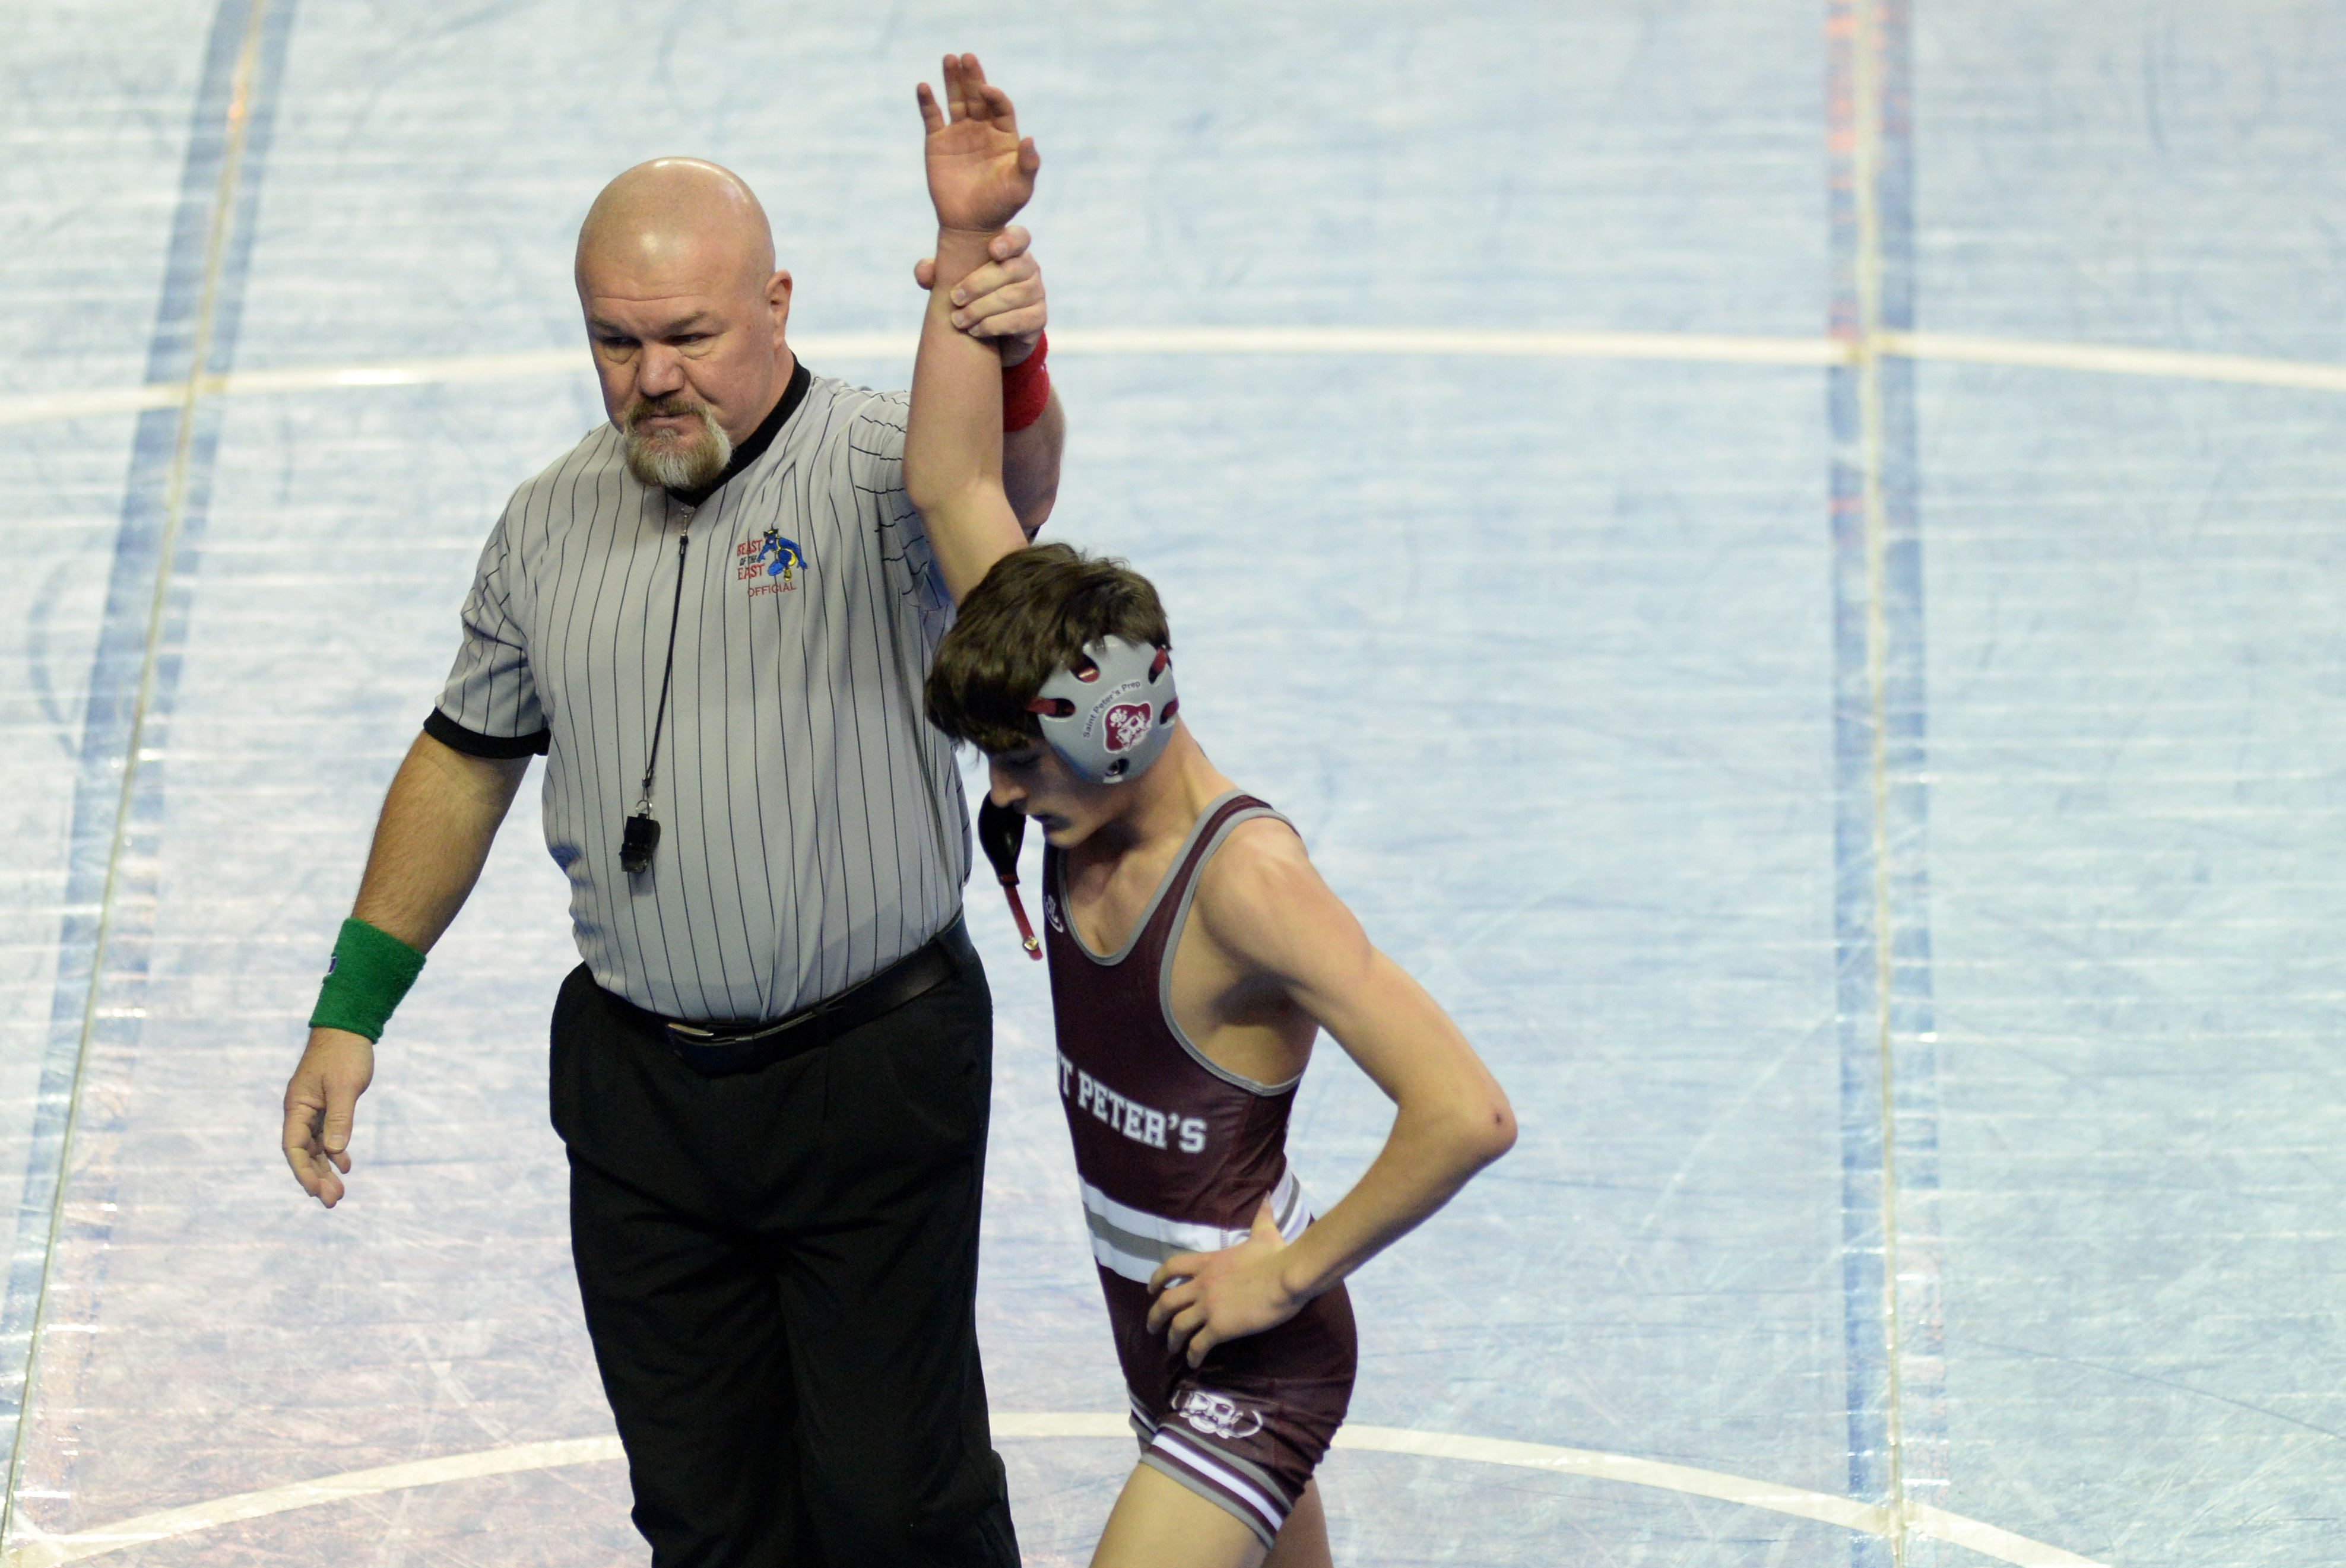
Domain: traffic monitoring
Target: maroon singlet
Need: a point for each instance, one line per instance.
(1177, 1155)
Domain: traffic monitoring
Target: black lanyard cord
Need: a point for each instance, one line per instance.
(639, 834)
(667, 671)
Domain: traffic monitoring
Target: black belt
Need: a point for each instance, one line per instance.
(720, 1049)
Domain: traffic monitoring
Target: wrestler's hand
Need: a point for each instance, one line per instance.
(1206, 1298)
(321, 1101)
(1002, 300)
(981, 172)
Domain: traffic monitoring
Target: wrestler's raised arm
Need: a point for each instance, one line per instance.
(1004, 301)
(980, 174)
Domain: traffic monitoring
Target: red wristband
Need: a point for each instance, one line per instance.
(1026, 387)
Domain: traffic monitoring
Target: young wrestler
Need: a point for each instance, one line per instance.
(1195, 955)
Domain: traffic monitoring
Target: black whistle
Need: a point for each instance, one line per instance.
(1000, 831)
(636, 842)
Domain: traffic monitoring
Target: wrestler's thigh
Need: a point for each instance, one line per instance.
(1158, 1522)
(1303, 1539)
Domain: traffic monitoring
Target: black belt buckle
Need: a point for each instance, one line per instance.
(717, 1053)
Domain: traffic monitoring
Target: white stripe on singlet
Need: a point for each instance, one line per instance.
(1133, 1242)
(1177, 1447)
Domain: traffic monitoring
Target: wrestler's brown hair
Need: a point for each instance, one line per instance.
(1029, 619)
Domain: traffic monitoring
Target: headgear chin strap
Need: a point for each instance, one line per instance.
(1110, 722)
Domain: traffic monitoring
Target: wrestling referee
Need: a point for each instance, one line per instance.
(713, 616)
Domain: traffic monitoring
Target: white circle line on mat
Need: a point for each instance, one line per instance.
(35, 1550)
(1691, 348)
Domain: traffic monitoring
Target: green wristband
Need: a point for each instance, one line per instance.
(370, 972)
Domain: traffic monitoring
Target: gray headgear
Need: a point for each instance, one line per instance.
(1110, 722)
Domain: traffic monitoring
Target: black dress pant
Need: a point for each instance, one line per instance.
(780, 1270)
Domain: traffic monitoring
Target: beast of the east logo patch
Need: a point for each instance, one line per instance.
(769, 565)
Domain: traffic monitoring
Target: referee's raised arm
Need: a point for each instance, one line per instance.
(430, 842)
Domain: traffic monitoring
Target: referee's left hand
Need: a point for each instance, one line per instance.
(320, 1102)
(1003, 300)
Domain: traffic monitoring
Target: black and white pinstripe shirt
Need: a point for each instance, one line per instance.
(813, 825)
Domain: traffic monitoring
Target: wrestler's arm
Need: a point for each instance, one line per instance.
(980, 174)
(1030, 467)
(430, 842)
(1262, 902)
(1004, 302)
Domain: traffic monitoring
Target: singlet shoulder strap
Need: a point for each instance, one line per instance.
(1220, 815)
(1168, 920)
(1214, 827)
(1172, 899)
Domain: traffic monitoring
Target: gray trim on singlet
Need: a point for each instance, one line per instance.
(1189, 1483)
(1173, 946)
(1124, 1240)
(1245, 1467)
(1148, 910)
(1158, 1250)
(1171, 1470)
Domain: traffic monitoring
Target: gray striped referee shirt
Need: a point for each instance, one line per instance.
(814, 829)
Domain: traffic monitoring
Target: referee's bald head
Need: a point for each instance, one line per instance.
(674, 213)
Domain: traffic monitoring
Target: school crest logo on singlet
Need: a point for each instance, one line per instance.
(1217, 1415)
(1051, 913)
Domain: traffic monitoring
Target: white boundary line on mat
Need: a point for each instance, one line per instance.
(1684, 348)
(35, 1550)
(2103, 359)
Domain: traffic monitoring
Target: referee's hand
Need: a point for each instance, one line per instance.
(1002, 300)
(320, 1101)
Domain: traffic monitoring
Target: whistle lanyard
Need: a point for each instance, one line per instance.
(640, 835)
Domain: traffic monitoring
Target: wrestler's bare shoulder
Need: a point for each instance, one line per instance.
(1266, 906)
